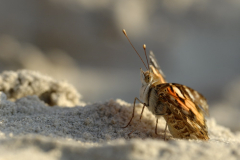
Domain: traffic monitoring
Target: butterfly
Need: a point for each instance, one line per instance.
(183, 108)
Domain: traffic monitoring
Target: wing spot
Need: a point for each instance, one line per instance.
(190, 94)
(178, 92)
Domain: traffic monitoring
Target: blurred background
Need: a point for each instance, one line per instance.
(196, 42)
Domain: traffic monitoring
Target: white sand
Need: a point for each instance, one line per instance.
(31, 129)
(24, 83)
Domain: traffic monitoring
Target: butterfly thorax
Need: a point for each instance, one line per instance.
(146, 84)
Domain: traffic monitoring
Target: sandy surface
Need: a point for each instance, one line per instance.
(32, 129)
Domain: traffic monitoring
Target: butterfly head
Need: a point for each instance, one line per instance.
(151, 76)
(146, 77)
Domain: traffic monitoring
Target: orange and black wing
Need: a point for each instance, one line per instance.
(186, 101)
(198, 99)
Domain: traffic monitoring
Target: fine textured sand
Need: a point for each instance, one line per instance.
(33, 128)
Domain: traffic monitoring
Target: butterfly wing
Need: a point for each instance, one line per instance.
(158, 75)
(198, 99)
(192, 95)
(184, 107)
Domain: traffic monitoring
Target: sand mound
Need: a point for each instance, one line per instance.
(24, 83)
(31, 129)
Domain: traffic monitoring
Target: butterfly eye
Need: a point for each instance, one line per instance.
(147, 79)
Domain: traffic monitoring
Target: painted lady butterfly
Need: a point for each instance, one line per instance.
(183, 108)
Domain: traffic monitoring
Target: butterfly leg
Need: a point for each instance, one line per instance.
(131, 132)
(140, 120)
(156, 127)
(142, 112)
(157, 124)
(165, 131)
(134, 110)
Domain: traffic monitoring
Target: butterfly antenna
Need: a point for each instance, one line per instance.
(125, 33)
(144, 47)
